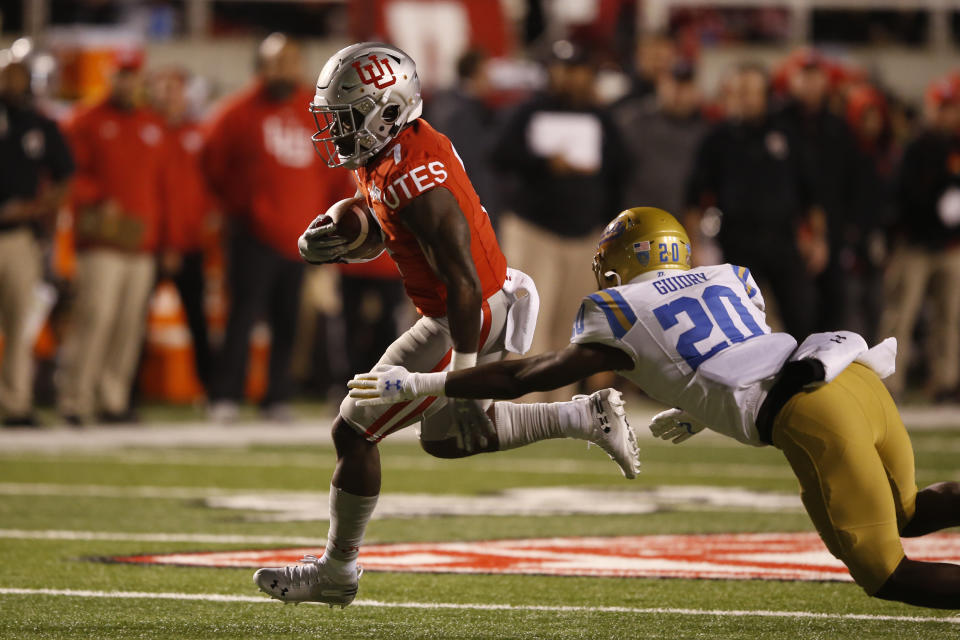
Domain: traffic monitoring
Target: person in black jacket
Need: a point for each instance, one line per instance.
(463, 115)
(753, 170)
(927, 247)
(562, 152)
(36, 165)
(872, 207)
(661, 133)
(832, 156)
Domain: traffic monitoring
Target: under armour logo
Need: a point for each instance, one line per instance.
(838, 339)
(378, 73)
(396, 385)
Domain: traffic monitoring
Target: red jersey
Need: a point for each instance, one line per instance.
(417, 160)
(119, 155)
(261, 164)
(188, 203)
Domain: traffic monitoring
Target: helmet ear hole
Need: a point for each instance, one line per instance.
(390, 113)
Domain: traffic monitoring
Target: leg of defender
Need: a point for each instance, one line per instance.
(828, 437)
(855, 465)
(923, 584)
(938, 507)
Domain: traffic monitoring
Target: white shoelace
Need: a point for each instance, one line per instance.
(303, 574)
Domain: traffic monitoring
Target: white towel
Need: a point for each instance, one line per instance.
(523, 311)
(836, 350)
(882, 358)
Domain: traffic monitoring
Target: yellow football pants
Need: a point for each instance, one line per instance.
(851, 453)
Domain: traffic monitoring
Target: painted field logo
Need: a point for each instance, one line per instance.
(755, 556)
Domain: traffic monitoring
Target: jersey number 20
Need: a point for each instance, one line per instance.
(704, 319)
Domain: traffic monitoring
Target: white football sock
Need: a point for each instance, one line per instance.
(521, 424)
(349, 515)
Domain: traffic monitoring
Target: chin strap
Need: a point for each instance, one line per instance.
(609, 275)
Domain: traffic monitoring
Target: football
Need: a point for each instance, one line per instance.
(355, 222)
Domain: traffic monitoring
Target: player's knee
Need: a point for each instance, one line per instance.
(873, 569)
(347, 439)
(446, 449)
(900, 581)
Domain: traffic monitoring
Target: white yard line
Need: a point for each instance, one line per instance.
(128, 491)
(723, 613)
(202, 538)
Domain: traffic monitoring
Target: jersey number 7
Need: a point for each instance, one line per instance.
(704, 320)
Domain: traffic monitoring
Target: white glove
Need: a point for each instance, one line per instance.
(320, 243)
(675, 424)
(474, 427)
(389, 384)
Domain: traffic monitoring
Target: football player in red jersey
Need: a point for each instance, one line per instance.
(474, 308)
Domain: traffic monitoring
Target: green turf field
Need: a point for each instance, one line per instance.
(61, 508)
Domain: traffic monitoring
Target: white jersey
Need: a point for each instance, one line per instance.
(699, 340)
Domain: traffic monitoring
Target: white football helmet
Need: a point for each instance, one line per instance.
(365, 94)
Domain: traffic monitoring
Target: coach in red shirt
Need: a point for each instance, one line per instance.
(260, 162)
(190, 207)
(119, 147)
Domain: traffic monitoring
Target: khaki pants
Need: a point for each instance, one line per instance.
(20, 273)
(910, 272)
(561, 267)
(109, 319)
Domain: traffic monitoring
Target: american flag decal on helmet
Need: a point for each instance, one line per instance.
(642, 249)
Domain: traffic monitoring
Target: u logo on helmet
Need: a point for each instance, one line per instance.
(378, 72)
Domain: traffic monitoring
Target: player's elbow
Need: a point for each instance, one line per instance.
(466, 289)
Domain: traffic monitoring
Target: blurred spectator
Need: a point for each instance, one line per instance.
(565, 152)
(656, 56)
(190, 208)
(375, 311)
(661, 134)
(117, 195)
(463, 115)
(752, 169)
(827, 140)
(927, 247)
(36, 166)
(873, 207)
(260, 163)
(434, 33)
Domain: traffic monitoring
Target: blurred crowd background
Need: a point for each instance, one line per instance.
(156, 170)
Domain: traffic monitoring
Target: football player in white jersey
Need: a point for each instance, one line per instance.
(697, 339)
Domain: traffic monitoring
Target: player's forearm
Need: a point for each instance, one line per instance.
(496, 381)
(511, 378)
(464, 300)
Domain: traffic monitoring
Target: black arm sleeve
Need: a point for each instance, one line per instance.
(58, 159)
(511, 151)
(704, 179)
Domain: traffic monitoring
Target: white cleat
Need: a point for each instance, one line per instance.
(306, 582)
(223, 412)
(608, 428)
